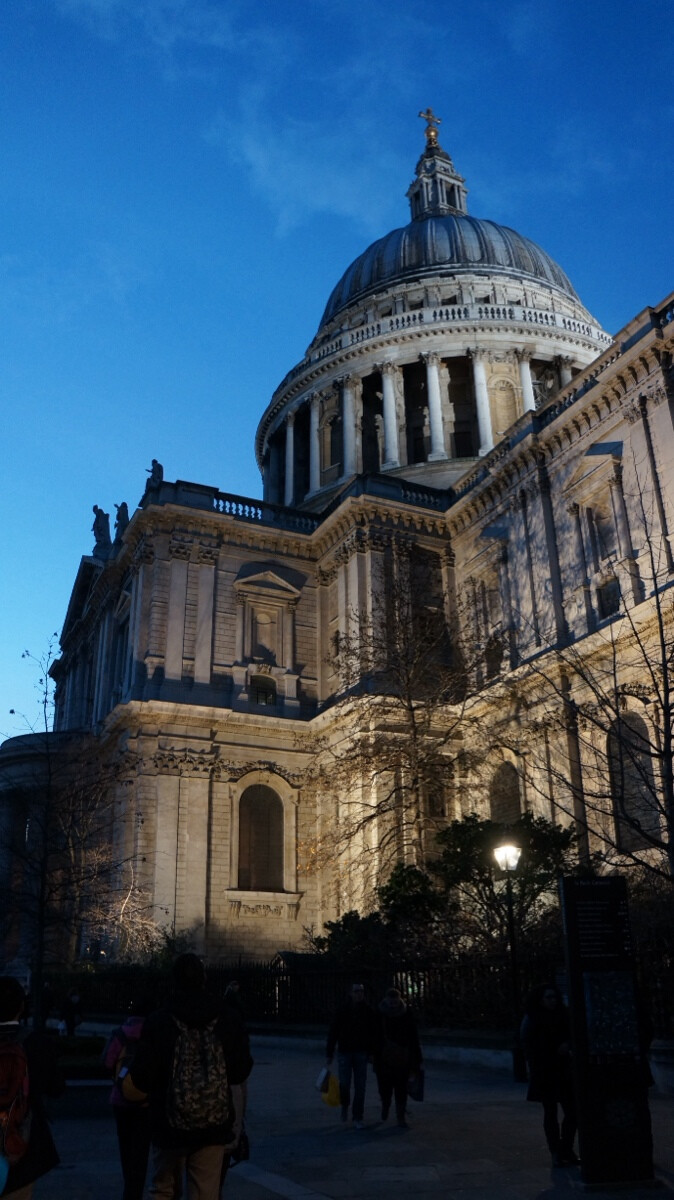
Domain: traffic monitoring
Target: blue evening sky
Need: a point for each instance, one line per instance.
(184, 181)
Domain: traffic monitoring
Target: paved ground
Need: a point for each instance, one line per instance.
(473, 1138)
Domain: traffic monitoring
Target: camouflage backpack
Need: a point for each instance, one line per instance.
(198, 1093)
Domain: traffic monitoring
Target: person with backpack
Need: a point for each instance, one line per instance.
(132, 1119)
(29, 1070)
(192, 1060)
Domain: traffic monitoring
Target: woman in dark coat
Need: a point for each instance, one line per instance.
(398, 1054)
(546, 1036)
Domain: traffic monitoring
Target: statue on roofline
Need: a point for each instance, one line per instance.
(121, 520)
(156, 474)
(101, 532)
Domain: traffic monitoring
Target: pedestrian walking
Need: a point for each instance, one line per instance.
(353, 1032)
(29, 1071)
(71, 1012)
(132, 1118)
(193, 1058)
(398, 1055)
(546, 1037)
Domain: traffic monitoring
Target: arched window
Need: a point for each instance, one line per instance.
(504, 795)
(260, 840)
(632, 783)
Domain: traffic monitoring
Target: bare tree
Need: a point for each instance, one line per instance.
(600, 719)
(386, 772)
(67, 882)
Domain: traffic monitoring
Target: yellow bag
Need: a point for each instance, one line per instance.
(331, 1095)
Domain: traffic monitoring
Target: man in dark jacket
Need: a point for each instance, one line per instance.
(45, 1079)
(197, 1146)
(354, 1032)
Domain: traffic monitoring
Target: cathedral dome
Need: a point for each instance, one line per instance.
(437, 339)
(442, 246)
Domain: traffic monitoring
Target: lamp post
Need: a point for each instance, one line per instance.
(507, 858)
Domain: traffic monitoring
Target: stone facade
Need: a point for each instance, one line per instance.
(474, 411)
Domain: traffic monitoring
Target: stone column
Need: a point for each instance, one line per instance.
(103, 669)
(565, 375)
(505, 595)
(204, 633)
(140, 614)
(175, 634)
(627, 568)
(528, 398)
(165, 860)
(288, 655)
(290, 459)
(314, 445)
(342, 601)
(554, 571)
(239, 633)
(656, 483)
(620, 512)
(274, 492)
(437, 451)
(482, 404)
(391, 448)
(581, 560)
(192, 856)
(348, 426)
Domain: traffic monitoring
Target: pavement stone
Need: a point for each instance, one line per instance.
(473, 1138)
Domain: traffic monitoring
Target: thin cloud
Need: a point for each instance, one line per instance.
(166, 24)
(105, 274)
(301, 168)
(525, 24)
(572, 163)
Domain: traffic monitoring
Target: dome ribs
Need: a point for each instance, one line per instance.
(437, 246)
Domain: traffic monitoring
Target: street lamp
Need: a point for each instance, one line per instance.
(507, 858)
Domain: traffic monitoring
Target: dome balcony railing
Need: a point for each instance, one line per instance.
(453, 314)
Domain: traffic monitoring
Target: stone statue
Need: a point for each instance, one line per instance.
(101, 529)
(156, 473)
(121, 520)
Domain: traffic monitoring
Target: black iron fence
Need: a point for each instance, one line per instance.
(470, 993)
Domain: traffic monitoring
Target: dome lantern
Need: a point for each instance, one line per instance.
(438, 188)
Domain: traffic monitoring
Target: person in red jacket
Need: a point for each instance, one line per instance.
(45, 1079)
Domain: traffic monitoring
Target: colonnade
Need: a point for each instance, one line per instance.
(349, 409)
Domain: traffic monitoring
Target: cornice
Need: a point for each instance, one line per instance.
(188, 762)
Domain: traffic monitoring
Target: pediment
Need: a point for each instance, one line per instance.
(87, 574)
(272, 580)
(595, 467)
